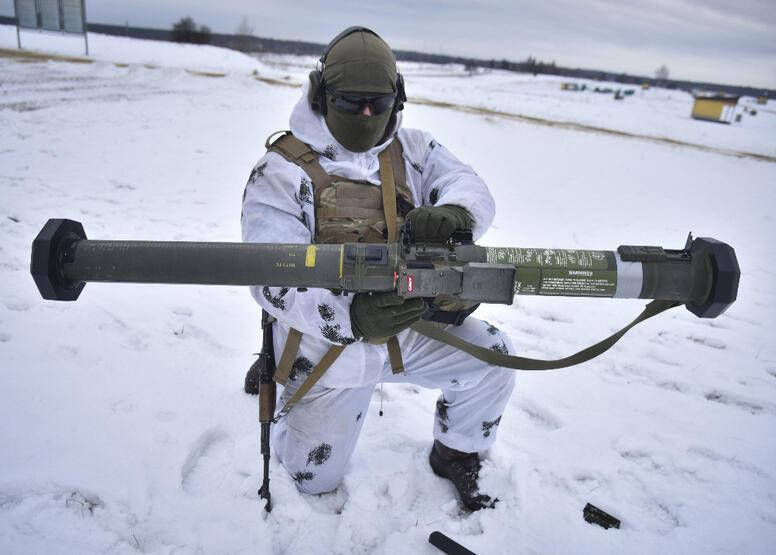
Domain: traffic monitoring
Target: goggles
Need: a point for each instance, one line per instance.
(354, 103)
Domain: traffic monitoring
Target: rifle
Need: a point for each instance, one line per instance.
(264, 369)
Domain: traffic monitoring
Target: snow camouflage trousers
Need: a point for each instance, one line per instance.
(316, 440)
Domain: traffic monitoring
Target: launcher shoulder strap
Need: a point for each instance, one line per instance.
(495, 358)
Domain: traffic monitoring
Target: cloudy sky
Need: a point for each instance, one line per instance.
(712, 40)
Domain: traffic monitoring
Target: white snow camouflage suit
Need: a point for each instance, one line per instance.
(317, 438)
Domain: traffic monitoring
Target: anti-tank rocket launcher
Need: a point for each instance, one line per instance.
(703, 276)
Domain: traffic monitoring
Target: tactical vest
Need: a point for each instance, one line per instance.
(348, 211)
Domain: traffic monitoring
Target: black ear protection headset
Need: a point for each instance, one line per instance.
(317, 94)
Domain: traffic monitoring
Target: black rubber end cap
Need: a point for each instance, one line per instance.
(47, 260)
(727, 273)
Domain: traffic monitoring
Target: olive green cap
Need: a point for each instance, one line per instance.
(360, 62)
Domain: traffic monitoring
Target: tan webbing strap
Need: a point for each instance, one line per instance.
(388, 187)
(397, 163)
(294, 150)
(318, 371)
(291, 147)
(287, 358)
(430, 330)
(394, 355)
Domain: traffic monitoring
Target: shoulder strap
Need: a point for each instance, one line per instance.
(431, 331)
(399, 169)
(388, 188)
(389, 171)
(299, 153)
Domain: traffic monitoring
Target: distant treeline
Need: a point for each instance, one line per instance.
(250, 43)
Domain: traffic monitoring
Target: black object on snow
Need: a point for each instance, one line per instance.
(447, 545)
(594, 515)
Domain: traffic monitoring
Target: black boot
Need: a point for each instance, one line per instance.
(463, 470)
(252, 379)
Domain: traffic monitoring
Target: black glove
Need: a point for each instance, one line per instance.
(435, 224)
(378, 316)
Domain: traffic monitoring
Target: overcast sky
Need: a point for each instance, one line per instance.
(712, 40)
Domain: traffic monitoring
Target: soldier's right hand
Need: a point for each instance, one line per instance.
(377, 316)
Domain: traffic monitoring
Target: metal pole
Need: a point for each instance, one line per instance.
(83, 24)
(16, 17)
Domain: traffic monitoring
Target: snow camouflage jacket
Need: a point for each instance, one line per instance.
(278, 208)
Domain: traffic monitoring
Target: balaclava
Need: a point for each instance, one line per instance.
(360, 62)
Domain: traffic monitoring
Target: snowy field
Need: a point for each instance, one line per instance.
(124, 426)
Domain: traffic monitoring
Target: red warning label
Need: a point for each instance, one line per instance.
(410, 283)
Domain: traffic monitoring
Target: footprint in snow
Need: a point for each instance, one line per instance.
(734, 461)
(208, 463)
(587, 481)
(182, 311)
(707, 342)
(673, 386)
(83, 504)
(552, 317)
(54, 496)
(738, 402)
(641, 458)
(121, 185)
(540, 416)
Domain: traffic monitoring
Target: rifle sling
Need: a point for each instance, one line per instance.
(288, 356)
(495, 358)
(318, 371)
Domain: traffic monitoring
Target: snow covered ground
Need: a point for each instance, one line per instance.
(123, 423)
(655, 112)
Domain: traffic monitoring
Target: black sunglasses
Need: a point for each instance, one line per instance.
(354, 103)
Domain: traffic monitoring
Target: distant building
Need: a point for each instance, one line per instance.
(715, 108)
(762, 100)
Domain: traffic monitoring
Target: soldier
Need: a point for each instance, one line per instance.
(349, 172)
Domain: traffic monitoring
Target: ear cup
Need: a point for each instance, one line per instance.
(401, 96)
(317, 94)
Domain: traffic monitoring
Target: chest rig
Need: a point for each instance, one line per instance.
(349, 211)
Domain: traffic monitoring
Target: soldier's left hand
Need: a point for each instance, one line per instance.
(435, 224)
